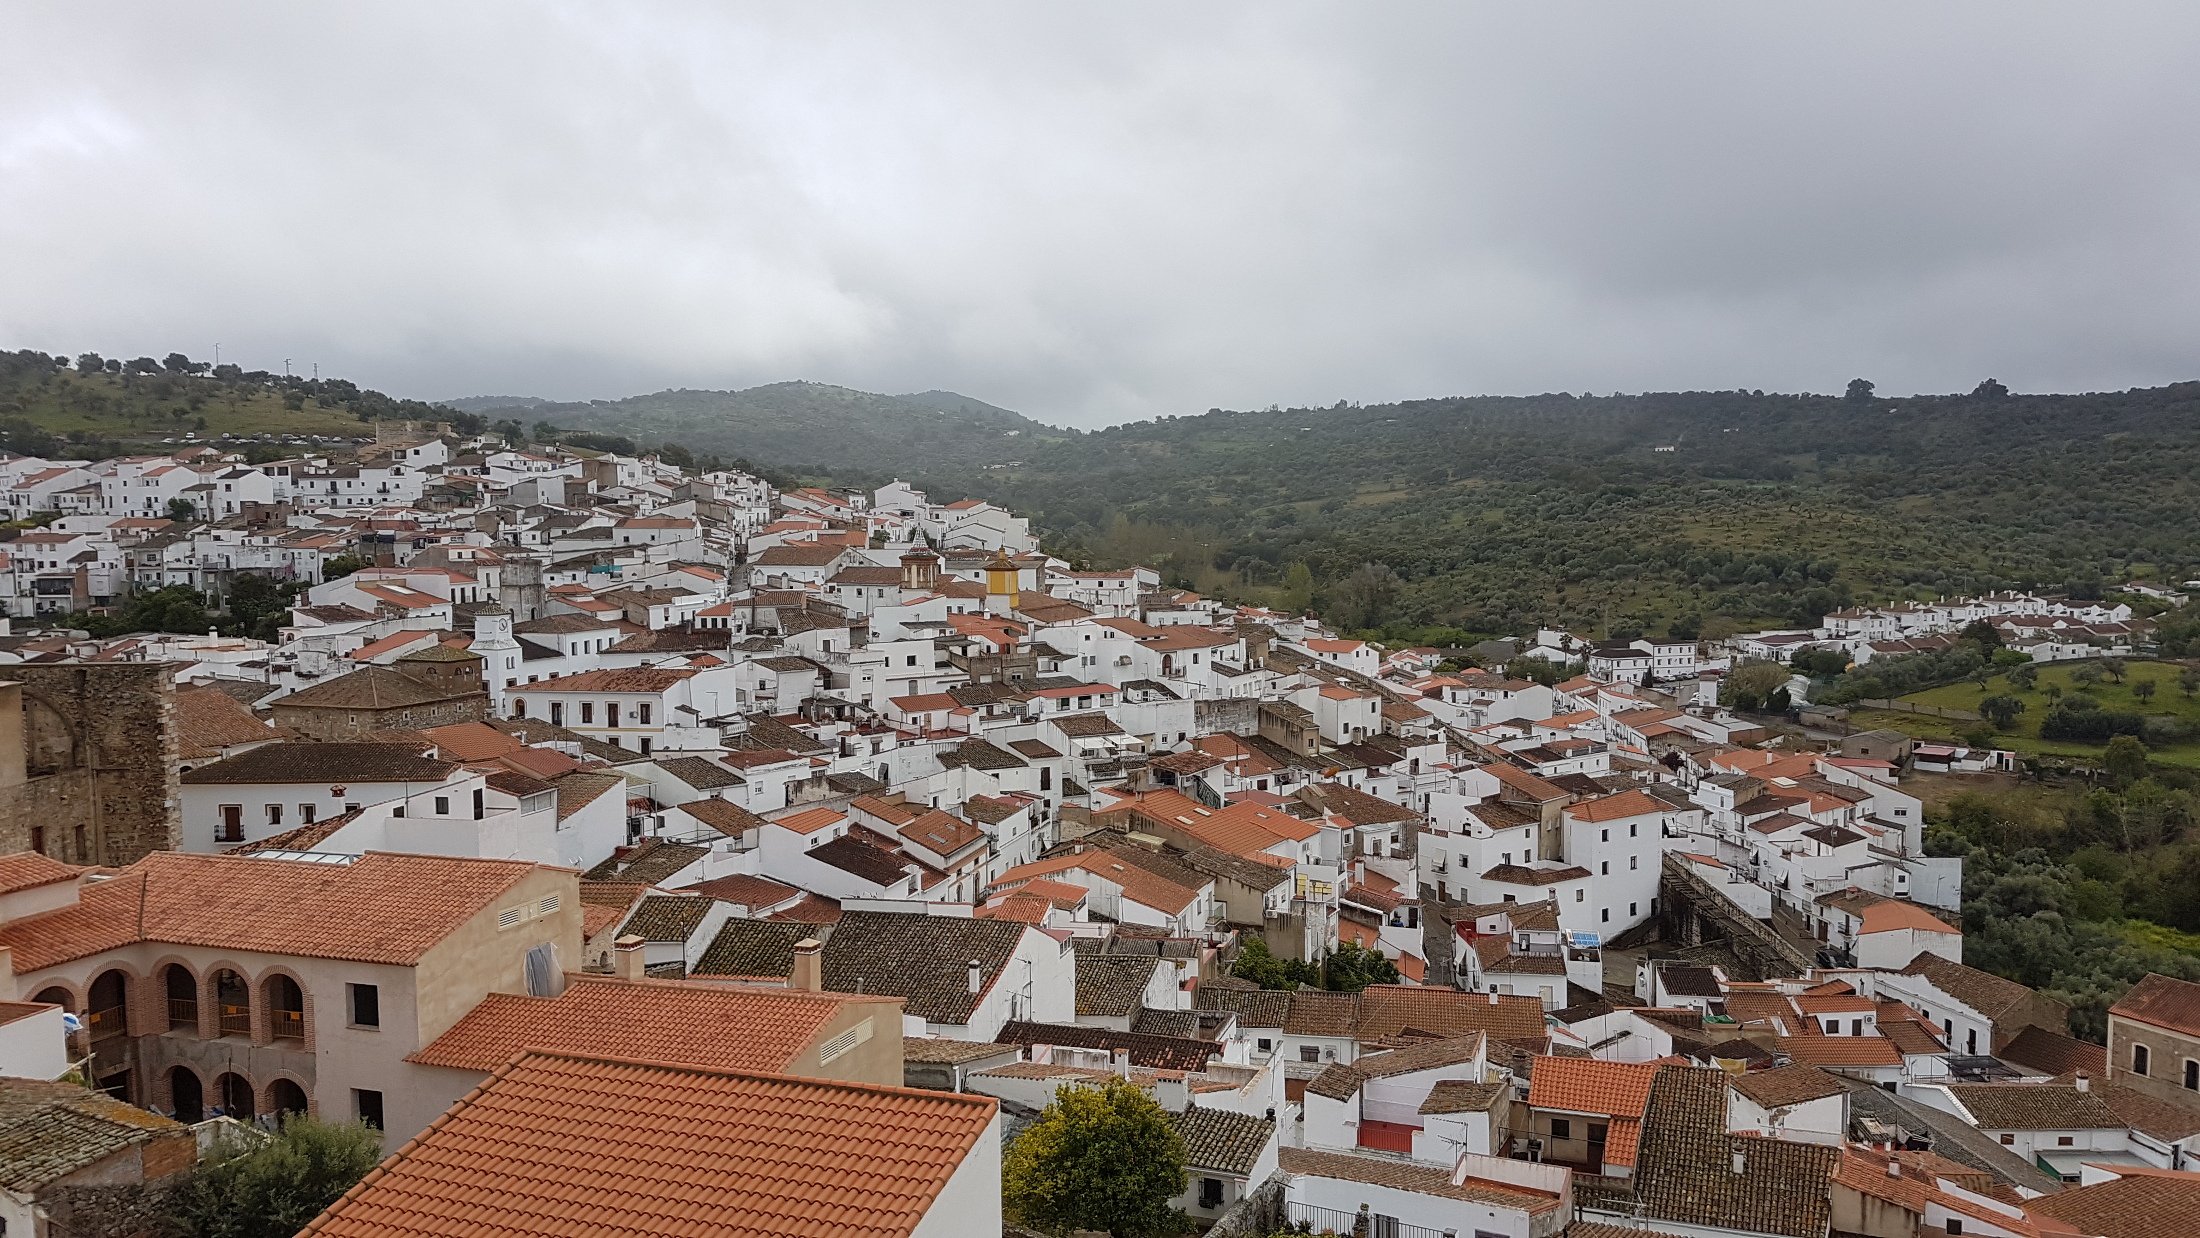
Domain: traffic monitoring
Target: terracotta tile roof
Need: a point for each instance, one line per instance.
(689, 1022)
(2034, 1107)
(922, 958)
(1145, 1049)
(1464, 1096)
(581, 788)
(1340, 1081)
(1786, 1085)
(208, 721)
(1221, 1140)
(700, 773)
(381, 908)
(2053, 1053)
(631, 680)
(943, 834)
(330, 763)
(1684, 1165)
(1615, 807)
(649, 862)
(746, 890)
(1317, 1013)
(1912, 1036)
(753, 948)
(1984, 992)
(2163, 1002)
(1817, 1050)
(1253, 1007)
(1387, 1009)
(2141, 1205)
(373, 687)
(26, 870)
(1404, 1176)
(1112, 985)
(1586, 1085)
(1138, 883)
(570, 1144)
(668, 917)
(49, 1131)
(724, 816)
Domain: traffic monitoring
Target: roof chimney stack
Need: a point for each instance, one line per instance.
(809, 966)
(977, 978)
(2085, 1082)
(1123, 1062)
(628, 952)
(1894, 1167)
(1741, 1162)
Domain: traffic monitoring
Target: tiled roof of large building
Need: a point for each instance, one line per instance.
(208, 721)
(693, 1023)
(1388, 1009)
(667, 917)
(1221, 1140)
(330, 763)
(2164, 1002)
(381, 908)
(26, 870)
(1982, 991)
(1686, 1168)
(579, 1145)
(2052, 1052)
(1253, 1007)
(1586, 1085)
(1405, 1176)
(373, 687)
(1786, 1085)
(922, 958)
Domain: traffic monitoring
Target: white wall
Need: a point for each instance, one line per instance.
(970, 1202)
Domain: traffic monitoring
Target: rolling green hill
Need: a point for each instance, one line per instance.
(807, 427)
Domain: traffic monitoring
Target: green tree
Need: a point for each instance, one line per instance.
(342, 566)
(1365, 598)
(1256, 963)
(2001, 709)
(1977, 735)
(1860, 390)
(2024, 675)
(2188, 681)
(174, 608)
(2126, 760)
(258, 605)
(1298, 586)
(1105, 1158)
(2144, 690)
(2087, 675)
(182, 511)
(272, 1189)
(2114, 668)
(1750, 686)
(1355, 967)
(1983, 633)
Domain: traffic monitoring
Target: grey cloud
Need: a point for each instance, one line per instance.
(1102, 212)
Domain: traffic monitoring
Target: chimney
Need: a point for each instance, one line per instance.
(628, 951)
(1123, 1062)
(809, 966)
(1894, 1167)
(977, 978)
(1741, 1162)
(2085, 1082)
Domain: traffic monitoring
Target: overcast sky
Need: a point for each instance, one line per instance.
(1099, 212)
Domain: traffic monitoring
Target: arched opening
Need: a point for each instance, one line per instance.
(234, 1094)
(286, 1008)
(185, 1094)
(285, 1097)
(55, 996)
(234, 1003)
(109, 1001)
(183, 997)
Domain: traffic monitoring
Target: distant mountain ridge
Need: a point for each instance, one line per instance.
(799, 425)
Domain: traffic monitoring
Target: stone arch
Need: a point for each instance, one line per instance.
(284, 1094)
(61, 994)
(183, 1093)
(51, 740)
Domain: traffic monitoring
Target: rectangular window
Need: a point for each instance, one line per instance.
(641, 715)
(1856, 1027)
(366, 1005)
(557, 713)
(2138, 1059)
(442, 805)
(232, 827)
(274, 814)
(2064, 1141)
(588, 712)
(1267, 1045)
(1308, 1053)
(369, 1105)
(1210, 1192)
(1562, 1128)
(307, 812)
(2192, 1075)
(611, 713)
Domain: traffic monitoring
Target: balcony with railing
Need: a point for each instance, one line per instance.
(183, 1014)
(288, 1024)
(106, 1024)
(236, 1020)
(1372, 1224)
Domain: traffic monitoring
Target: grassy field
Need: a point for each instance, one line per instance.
(2168, 699)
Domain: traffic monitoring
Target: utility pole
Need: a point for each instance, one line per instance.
(217, 354)
(286, 367)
